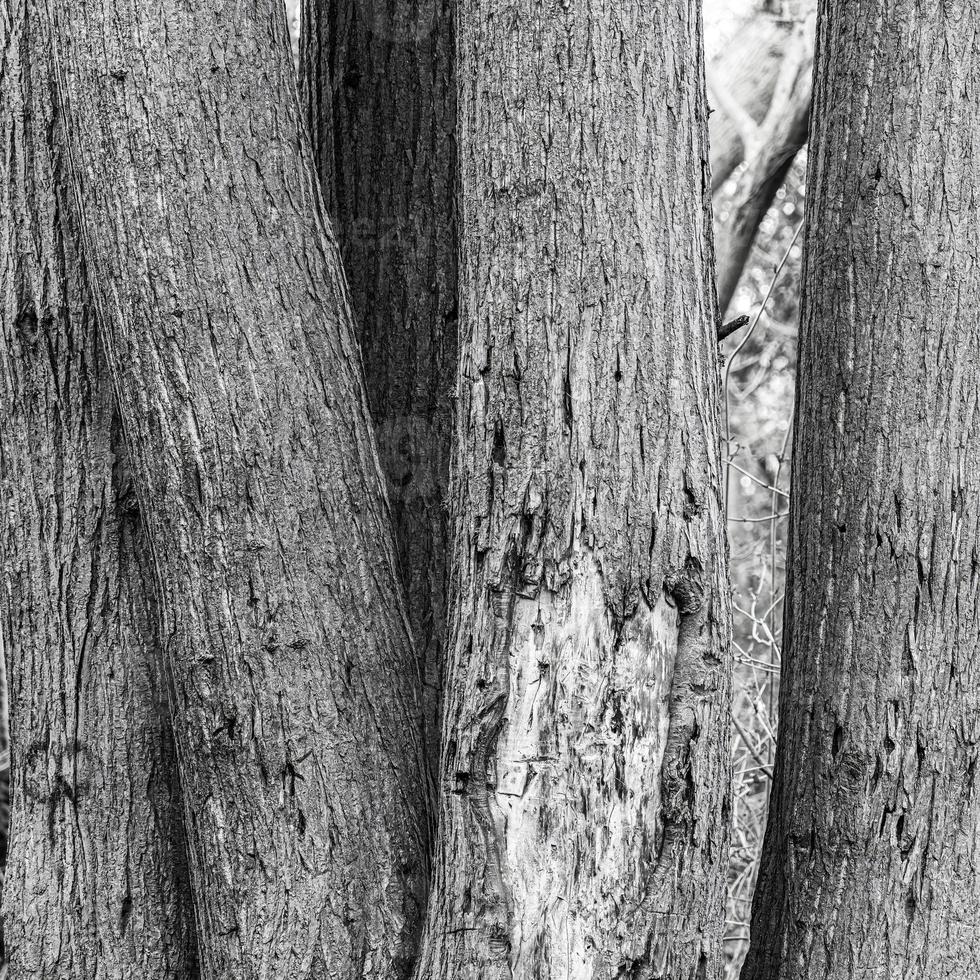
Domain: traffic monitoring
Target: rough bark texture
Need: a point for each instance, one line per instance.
(96, 885)
(780, 136)
(585, 769)
(871, 866)
(223, 311)
(379, 92)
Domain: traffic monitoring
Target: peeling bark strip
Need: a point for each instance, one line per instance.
(871, 866)
(585, 769)
(223, 309)
(380, 98)
(96, 885)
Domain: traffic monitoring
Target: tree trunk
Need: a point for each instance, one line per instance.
(870, 867)
(224, 314)
(379, 92)
(96, 885)
(585, 769)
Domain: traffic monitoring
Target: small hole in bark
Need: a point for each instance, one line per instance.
(499, 454)
(903, 845)
(885, 813)
(26, 321)
(124, 913)
(693, 502)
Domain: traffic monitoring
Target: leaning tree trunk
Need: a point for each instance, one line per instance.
(96, 885)
(379, 92)
(585, 768)
(870, 867)
(223, 311)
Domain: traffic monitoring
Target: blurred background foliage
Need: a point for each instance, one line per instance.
(760, 374)
(761, 380)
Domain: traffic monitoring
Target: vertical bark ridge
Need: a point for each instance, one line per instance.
(379, 94)
(96, 882)
(585, 770)
(223, 309)
(871, 866)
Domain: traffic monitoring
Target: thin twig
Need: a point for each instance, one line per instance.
(745, 340)
(755, 479)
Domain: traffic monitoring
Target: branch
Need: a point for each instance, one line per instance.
(745, 125)
(781, 136)
(746, 68)
(729, 328)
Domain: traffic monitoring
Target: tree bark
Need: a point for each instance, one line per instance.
(870, 867)
(380, 97)
(585, 769)
(223, 311)
(96, 885)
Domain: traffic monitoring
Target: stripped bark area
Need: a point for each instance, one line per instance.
(222, 307)
(585, 770)
(380, 96)
(97, 883)
(871, 866)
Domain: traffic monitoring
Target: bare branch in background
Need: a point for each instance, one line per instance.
(777, 141)
(743, 75)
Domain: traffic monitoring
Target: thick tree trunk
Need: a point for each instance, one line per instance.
(585, 770)
(870, 867)
(380, 94)
(223, 310)
(96, 885)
